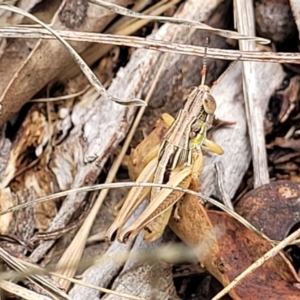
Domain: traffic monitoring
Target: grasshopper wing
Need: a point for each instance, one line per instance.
(134, 198)
(155, 228)
(157, 206)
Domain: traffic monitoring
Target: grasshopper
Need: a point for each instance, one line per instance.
(176, 164)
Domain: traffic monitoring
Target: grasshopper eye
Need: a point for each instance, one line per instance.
(209, 104)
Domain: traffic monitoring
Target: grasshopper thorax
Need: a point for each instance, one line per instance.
(204, 118)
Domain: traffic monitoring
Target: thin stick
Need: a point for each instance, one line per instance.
(220, 178)
(59, 98)
(183, 22)
(151, 44)
(253, 86)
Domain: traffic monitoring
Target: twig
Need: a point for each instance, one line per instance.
(59, 98)
(220, 180)
(183, 22)
(151, 44)
(253, 84)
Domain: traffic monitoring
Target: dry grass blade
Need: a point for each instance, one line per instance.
(191, 24)
(271, 253)
(21, 292)
(137, 184)
(31, 270)
(31, 274)
(79, 61)
(152, 44)
(66, 97)
(170, 253)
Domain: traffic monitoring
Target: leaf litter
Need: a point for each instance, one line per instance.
(68, 143)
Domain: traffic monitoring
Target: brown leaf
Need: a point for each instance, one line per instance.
(290, 97)
(226, 248)
(239, 248)
(285, 143)
(275, 201)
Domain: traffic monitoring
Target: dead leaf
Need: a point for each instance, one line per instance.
(275, 201)
(285, 143)
(290, 98)
(33, 134)
(226, 248)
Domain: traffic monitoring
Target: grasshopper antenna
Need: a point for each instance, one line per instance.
(204, 67)
(227, 70)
